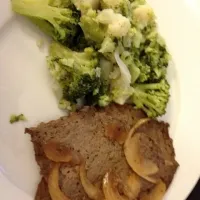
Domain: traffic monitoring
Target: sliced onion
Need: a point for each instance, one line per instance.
(53, 184)
(123, 68)
(132, 186)
(57, 153)
(91, 190)
(157, 193)
(143, 167)
(136, 126)
(110, 187)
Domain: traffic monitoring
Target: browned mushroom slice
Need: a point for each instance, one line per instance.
(91, 190)
(54, 151)
(132, 186)
(53, 184)
(110, 190)
(157, 193)
(143, 167)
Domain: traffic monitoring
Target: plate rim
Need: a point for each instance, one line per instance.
(184, 118)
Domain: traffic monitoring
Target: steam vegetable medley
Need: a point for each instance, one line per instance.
(103, 51)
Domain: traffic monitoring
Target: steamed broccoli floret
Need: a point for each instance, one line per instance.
(145, 72)
(140, 72)
(65, 105)
(136, 3)
(17, 118)
(154, 54)
(76, 72)
(158, 73)
(92, 29)
(154, 49)
(129, 61)
(80, 86)
(151, 97)
(107, 46)
(58, 22)
(102, 96)
(104, 100)
(113, 4)
(147, 52)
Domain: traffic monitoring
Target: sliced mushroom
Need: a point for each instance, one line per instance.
(157, 193)
(132, 186)
(110, 187)
(91, 190)
(143, 167)
(53, 184)
(58, 153)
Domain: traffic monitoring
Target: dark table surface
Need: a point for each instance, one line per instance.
(195, 195)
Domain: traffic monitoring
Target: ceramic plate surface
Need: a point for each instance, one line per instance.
(25, 87)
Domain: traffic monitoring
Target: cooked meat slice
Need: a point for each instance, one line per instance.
(86, 132)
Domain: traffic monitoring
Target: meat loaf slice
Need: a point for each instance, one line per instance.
(86, 131)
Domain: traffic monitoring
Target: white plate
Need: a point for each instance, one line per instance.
(25, 87)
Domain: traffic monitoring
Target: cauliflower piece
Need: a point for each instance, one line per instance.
(106, 16)
(118, 25)
(119, 29)
(143, 14)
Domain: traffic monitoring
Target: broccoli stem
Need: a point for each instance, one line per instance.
(45, 26)
(162, 85)
(135, 73)
(41, 10)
